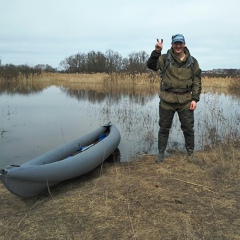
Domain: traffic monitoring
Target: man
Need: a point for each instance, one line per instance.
(179, 92)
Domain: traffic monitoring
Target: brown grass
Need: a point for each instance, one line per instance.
(130, 80)
(147, 83)
(144, 78)
(221, 85)
(99, 78)
(177, 199)
(144, 83)
(217, 82)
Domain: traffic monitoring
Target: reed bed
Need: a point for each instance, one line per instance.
(101, 83)
(100, 78)
(144, 78)
(147, 82)
(137, 78)
(215, 82)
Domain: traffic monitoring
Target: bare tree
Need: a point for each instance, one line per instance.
(113, 61)
(96, 62)
(137, 62)
(109, 62)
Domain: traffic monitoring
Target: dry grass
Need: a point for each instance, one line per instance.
(217, 82)
(99, 78)
(177, 199)
(221, 85)
(138, 83)
(144, 78)
(129, 80)
(147, 83)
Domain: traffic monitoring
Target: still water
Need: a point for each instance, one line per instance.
(34, 122)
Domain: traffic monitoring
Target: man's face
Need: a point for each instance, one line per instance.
(178, 47)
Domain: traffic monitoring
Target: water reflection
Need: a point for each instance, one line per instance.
(23, 87)
(31, 124)
(114, 94)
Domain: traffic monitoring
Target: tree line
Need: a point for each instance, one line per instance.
(95, 62)
(91, 62)
(10, 71)
(108, 62)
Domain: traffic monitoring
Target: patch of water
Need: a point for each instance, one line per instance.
(33, 123)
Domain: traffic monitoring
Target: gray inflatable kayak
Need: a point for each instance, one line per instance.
(70, 160)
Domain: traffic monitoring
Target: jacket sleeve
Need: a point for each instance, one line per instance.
(197, 82)
(152, 61)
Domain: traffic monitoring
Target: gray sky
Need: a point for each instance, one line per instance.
(47, 31)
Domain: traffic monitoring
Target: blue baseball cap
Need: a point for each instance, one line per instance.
(178, 38)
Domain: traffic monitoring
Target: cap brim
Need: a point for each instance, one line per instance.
(178, 41)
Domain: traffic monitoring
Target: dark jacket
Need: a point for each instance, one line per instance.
(178, 75)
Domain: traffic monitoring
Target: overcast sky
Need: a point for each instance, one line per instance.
(47, 31)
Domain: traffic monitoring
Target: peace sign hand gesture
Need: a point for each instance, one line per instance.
(159, 46)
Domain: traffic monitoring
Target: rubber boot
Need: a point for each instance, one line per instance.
(160, 158)
(162, 143)
(191, 156)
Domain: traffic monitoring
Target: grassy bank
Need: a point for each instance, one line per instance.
(177, 199)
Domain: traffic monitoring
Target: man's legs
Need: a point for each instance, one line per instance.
(165, 123)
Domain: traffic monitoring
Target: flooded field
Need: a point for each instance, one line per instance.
(35, 119)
